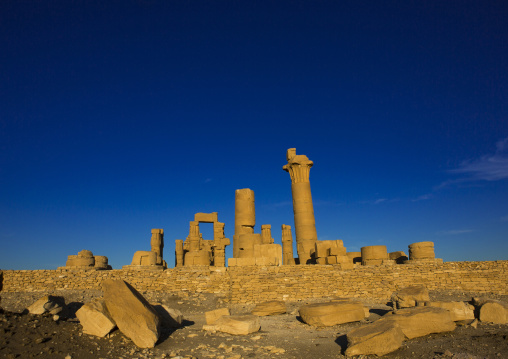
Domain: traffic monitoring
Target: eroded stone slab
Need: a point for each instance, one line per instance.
(131, 312)
(378, 338)
(213, 315)
(95, 319)
(421, 321)
(494, 311)
(458, 310)
(273, 307)
(238, 324)
(332, 313)
(410, 296)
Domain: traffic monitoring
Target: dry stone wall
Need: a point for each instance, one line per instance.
(256, 284)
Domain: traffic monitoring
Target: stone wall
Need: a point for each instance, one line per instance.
(256, 284)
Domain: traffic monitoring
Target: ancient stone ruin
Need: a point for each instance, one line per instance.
(152, 259)
(251, 248)
(298, 167)
(197, 251)
(86, 260)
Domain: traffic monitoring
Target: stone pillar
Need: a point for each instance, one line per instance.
(422, 251)
(245, 218)
(266, 234)
(287, 245)
(219, 245)
(374, 255)
(179, 253)
(305, 225)
(157, 243)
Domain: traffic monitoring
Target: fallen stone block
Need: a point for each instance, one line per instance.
(238, 324)
(48, 303)
(132, 313)
(494, 311)
(213, 315)
(332, 313)
(170, 318)
(378, 338)
(421, 321)
(95, 319)
(458, 310)
(273, 307)
(410, 296)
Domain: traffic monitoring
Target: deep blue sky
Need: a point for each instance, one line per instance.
(119, 117)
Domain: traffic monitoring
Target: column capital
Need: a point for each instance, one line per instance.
(298, 166)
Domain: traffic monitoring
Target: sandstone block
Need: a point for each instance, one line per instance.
(458, 310)
(48, 303)
(378, 338)
(267, 261)
(421, 250)
(374, 255)
(131, 312)
(270, 308)
(321, 260)
(410, 296)
(206, 217)
(144, 258)
(95, 319)
(238, 324)
(356, 257)
(213, 315)
(332, 313)
(421, 321)
(494, 311)
(170, 318)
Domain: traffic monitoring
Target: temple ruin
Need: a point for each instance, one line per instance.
(152, 259)
(197, 251)
(86, 260)
(251, 248)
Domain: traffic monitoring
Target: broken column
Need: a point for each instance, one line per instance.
(157, 244)
(266, 234)
(245, 220)
(305, 225)
(179, 253)
(374, 255)
(422, 252)
(287, 245)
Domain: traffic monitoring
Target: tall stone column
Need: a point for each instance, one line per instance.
(266, 233)
(305, 225)
(245, 219)
(179, 253)
(287, 245)
(157, 243)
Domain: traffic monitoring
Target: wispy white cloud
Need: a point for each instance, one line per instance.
(454, 232)
(504, 218)
(422, 197)
(493, 167)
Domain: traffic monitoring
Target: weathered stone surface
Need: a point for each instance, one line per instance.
(170, 318)
(48, 303)
(458, 310)
(95, 319)
(270, 308)
(213, 315)
(131, 312)
(421, 321)
(410, 296)
(332, 313)
(494, 311)
(238, 324)
(378, 338)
